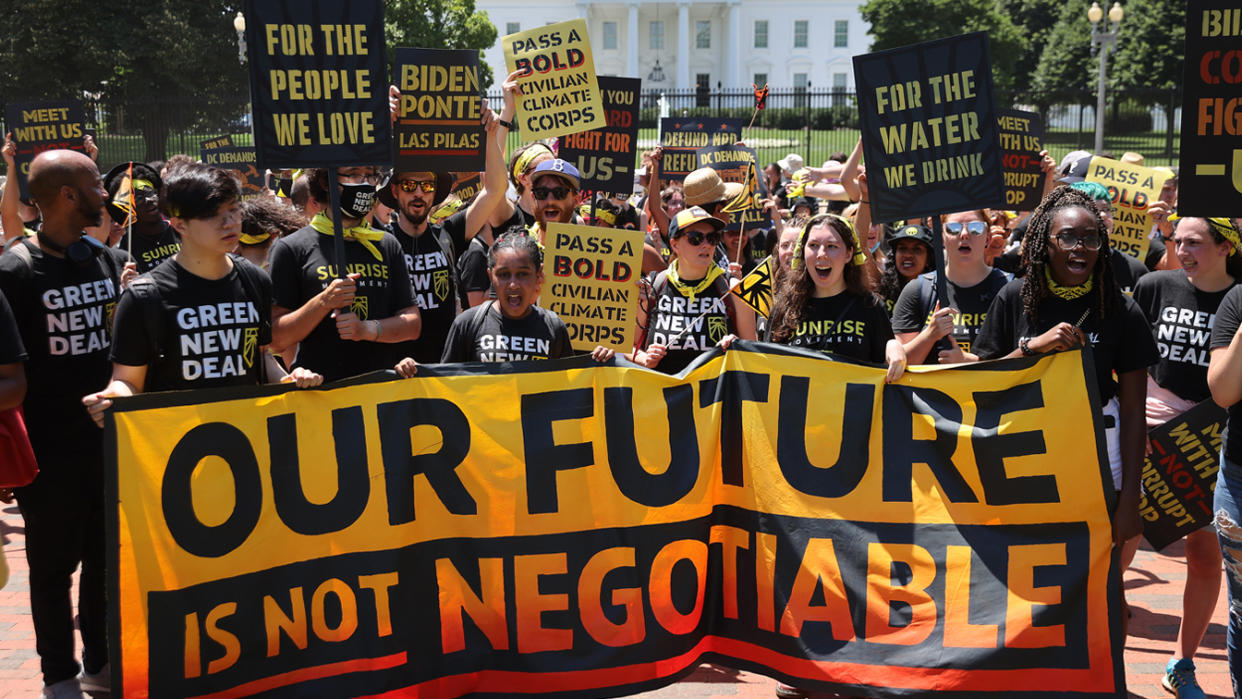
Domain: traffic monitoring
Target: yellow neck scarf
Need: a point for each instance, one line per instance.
(674, 278)
(363, 234)
(1069, 293)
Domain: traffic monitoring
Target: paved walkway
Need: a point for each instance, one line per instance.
(1154, 585)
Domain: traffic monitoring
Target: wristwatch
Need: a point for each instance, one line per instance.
(1025, 345)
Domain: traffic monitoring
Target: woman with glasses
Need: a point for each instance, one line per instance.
(1127, 270)
(942, 331)
(690, 309)
(1069, 299)
(1181, 306)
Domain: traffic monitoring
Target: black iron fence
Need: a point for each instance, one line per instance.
(815, 123)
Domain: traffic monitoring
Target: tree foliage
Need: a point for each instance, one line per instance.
(896, 23)
(1034, 20)
(440, 24)
(1150, 46)
(1067, 64)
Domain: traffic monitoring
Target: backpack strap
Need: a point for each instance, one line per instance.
(251, 283)
(22, 253)
(446, 247)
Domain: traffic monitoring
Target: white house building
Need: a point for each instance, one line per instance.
(681, 45)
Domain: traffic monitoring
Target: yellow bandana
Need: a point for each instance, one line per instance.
(363, 234)
(713, 271)
(524, 160)
(1224, 227)
(247, 239)
(1069, 293)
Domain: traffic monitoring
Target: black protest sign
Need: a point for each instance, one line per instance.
(929, 128)
(1021, 140)
(241, 160)
(438, 125)
(40, 126)
(1211, 156)
(467, 185)
(1180, 474)
(736, 164)
(218, 142)
(605, 156)
(318, 84)
(682, 137)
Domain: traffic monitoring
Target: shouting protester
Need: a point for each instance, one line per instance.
(62, 286)
(912, 254)
(153, 239)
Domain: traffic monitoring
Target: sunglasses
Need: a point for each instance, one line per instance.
(1069, 241)
(972, 227)
(428, 186)
(542, 193)
(696, 238)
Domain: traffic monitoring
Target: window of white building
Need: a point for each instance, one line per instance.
(610, 35)
(761, 33)
(841, 34)
(800, 32)
(657, 35)
(703, 34)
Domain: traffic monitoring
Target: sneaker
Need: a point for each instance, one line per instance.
(97, 681)
(64, 689)
(1179, 679)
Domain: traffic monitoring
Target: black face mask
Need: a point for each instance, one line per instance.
(80, 252)
(284, 187)
(357, 200)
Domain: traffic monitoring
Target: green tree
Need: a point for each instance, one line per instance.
(896, 23)
(1149, 48)
(440, 24)
(1034, 20)
(1067, 68)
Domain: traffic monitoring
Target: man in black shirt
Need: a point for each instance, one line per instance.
(63, 286)
(153, 239)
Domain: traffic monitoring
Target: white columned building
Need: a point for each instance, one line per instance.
(680, 45)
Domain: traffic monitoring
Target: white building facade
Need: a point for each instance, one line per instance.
(684, 45)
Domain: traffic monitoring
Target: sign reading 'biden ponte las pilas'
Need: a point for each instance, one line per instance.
(929, 128)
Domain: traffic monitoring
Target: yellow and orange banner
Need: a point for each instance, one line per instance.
(595, 530)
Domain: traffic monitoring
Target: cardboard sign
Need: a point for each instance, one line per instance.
(590, 272)
(737, 164)
(1021, 140)
(605, 156)
(1210, 178)
(1179, 476)
(929, 128)
(438, 124)
(682, 137)
(40, 126)
(218, 142)
(560, 93)
(318, 83)
(242, 160)
(1131, 188)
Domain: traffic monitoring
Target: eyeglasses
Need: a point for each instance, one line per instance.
(542, 193)
(1069, 241)
(696, 238)
(972, 227)
(351, 178)
(428, 186)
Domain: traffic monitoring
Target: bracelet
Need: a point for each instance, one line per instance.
(511, 125)
(379, 329)
(864, 201)
(1025, 345)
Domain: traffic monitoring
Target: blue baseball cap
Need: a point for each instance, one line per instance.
(562, 169)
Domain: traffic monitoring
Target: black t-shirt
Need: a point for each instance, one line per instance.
(917, 303)
(1181, 318)
(1228, 319)
(149, 251)
(472, 264)
(11, 348)
(303, 264)
(484, 334)
(1127, 271)
(1120, 342)
(64, 314)
(207, 332)
(706, 317)
(431, 275)
(1155, 251)
(847, 324)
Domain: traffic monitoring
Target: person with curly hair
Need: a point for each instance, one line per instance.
(1070, 299)
(264, 219)
(912, 255)
(826, 303)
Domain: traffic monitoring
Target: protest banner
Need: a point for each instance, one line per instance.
(682, 137)
(584, 530)
(929, 128)
(560, 93)
(438, 125)
(242, 160)
(40, 126)
(1210, 177)
(218, 142)
(1131, 188)
(1021, 140)
(318, 83)
(605, 156)
(737, 164)
(591, 273)
(756, 288)
(1179, 475)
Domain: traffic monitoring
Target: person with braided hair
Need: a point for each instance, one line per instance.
(1069, 299)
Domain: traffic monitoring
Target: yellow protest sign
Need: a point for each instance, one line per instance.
(560, 93)
(593, 530)
(591, 283)
(1131, 188)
